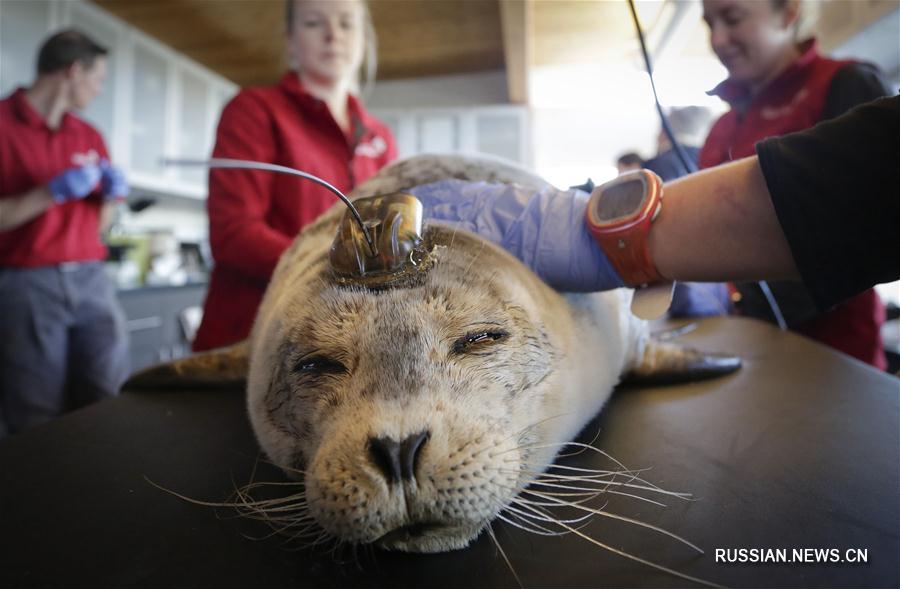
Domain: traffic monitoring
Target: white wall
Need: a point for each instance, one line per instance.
(467, 113)
(441, 91)
(878, 43)
(584, 116)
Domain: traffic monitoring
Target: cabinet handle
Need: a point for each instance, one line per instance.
(143, 323)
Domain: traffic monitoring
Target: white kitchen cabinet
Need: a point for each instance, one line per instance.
(149, 110)
(156, 103)
(194, 127)
(23, 27)
(501, 131)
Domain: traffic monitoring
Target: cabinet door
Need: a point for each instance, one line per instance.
(23, 27)
(193, 137)
(438, 133)
(148, 112)
(500, 134)
(101, 111)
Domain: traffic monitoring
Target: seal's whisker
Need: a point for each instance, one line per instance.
(644, 561)
(505, 507)
(552, 482)
(189, 499)
(582, 450)
(525, 528)
(597, 478)
(595, 471)
(631, 474)
(628, 520)
(565, 444)
(546, 479)
(291, 502)
(246, 503)
(603, 483)
(677, 494)
(541, 513)
(249, 486)
(638, 497)
(294, 501)
(557, 503)
(587, 495)
(557, 485)
(512, 569)
(549, 518)
(524, 523)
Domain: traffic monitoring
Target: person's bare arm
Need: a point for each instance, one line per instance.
(720, 225)
(17, 210)
(107, 215)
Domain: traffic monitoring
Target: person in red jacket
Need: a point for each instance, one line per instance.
(776, 86)
(310, 121)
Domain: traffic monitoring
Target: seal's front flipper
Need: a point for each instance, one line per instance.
(667, 363)
(222, 368)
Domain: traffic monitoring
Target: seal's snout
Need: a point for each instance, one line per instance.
(428, 485)
(396, 461)
(408, 533)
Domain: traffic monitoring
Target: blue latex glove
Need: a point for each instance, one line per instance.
(75, 183)
(545, 229)
(113, 181)
(700, 299)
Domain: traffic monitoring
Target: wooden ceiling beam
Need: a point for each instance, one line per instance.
(517, 22)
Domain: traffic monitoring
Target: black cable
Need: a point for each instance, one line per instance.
(685, 161)
(250, 165)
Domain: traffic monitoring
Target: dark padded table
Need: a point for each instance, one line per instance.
(800, 449)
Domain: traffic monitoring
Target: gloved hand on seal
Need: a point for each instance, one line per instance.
(545, 229)
(74, 183)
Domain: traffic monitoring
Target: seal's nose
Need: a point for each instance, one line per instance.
(397, 460)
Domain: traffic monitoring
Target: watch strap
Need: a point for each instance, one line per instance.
(629, 253)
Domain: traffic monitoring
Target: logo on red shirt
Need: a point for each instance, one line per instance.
(88, 158)
(372, 148)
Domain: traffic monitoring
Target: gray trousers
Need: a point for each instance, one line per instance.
(62, 342)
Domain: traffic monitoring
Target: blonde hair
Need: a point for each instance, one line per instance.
(807, 17)
(365, 79)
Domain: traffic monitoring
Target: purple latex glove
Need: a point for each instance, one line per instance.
(545, 229)
(75, 183)
(113, 181)
(700, 299)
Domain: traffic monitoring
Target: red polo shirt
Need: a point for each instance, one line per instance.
(32, 154)
(254, 216)
(794, 101)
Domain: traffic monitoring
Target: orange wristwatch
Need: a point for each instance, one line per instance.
(619, 215)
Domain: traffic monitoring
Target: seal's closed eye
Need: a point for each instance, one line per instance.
(318, 365)
(477, 341)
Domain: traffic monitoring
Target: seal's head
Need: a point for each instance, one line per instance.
(411, 410)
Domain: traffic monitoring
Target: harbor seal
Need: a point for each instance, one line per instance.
(415, 415)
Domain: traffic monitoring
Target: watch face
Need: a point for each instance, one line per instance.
(621, 200)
